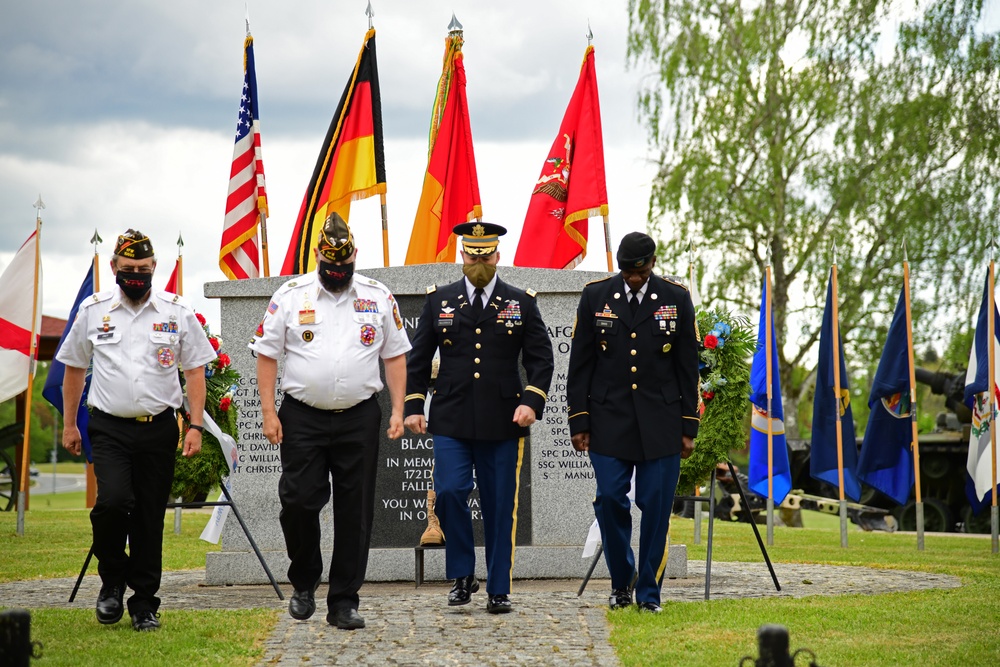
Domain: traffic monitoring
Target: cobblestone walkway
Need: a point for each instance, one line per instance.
(414, 626)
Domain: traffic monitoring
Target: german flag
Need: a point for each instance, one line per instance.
(450, 194)
(351, 164)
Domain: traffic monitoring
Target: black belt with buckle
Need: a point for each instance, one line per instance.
(142, 419)
(303, 404)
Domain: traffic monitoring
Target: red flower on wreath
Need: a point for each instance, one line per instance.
(711, 341)
(708, 395)
(223, 360)
(224, 403)
(201, 319)
(215, 343)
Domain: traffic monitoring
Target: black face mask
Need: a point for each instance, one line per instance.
(134, 285)
(335, 277)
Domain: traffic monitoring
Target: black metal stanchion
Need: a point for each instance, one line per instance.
(711, 534)
(590, 570)
(760, 543)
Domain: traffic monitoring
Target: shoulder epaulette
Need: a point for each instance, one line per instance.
(530, 292)
(601, 280)
(674, 280)
(96, 298)
(170, 297)
(431, 289)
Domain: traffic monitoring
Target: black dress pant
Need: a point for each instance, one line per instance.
(134, 467)
(319, 445)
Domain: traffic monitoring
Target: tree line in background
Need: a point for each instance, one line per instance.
(783, 128)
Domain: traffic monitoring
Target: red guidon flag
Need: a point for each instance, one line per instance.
(247, 200)
(571, 187)
(17, 284)
(351, 163)
(174, 282)
(450, 195)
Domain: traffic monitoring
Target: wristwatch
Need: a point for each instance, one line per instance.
(197, 427)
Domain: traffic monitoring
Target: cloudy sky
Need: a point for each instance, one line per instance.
(121, 113)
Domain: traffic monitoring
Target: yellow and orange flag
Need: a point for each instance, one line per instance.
(571, 187)
(450, 195)
(351, 164)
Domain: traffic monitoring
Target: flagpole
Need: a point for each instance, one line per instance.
(993, 414)
(180, 419)
(835, 335)
(385, 232)
(263, 243)
(770, 429)
(22, 494)
(91, 478)
(607, 242)
(915, 445)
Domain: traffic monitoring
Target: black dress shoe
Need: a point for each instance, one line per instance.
(499, 604)
(462, 591)
(346, 619)
(303, 603)
(145, 621)
(109, 604)
(620, 598)
(650, 607)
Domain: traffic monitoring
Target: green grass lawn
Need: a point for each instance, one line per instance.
(55, 542)
(941, 627)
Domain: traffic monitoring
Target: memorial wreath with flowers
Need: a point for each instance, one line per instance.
(197, 475)
(724, 370)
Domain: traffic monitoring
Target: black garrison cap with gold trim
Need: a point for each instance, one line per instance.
(635, 251)
(336, 243)
(479, 238)
(134, 245)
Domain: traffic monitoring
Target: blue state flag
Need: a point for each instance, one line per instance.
(981, 459)
(826, 405)
(886, 460)
(54, 383)
(782, 476)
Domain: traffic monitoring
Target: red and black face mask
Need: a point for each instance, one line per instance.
(134, 285)
(335, 277)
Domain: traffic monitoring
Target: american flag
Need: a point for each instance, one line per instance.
(239, 256)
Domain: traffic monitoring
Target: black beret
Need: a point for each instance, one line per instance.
(134, 245)
(635, 250)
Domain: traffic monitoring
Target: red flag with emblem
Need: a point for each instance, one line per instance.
(16, 286)
(572, 185)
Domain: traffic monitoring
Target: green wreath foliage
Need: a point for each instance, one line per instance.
(724, 365)
(197, 475)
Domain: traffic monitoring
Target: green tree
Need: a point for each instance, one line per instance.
(782, 128)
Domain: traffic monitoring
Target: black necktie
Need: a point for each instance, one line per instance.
(477, 303)
(633, 303)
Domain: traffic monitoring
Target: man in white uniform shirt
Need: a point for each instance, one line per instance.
(332, 326)
(137, 339)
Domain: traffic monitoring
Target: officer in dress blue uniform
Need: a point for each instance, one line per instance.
(332, 327)
(632, 392)
(479, 412)
(137, 338)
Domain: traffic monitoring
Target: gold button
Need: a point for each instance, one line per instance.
(509, 332)
(635, 386)
(478, 330)
(476, 375)
(633, 369)
(633, 353)
(633, 334)
(445, 330)
(477, 360)
(478, 345)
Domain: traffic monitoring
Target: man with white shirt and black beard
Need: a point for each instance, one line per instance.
(332, 326)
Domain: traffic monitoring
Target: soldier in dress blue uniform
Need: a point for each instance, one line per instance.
(137, 338)
(479, 412)
(632, 392)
